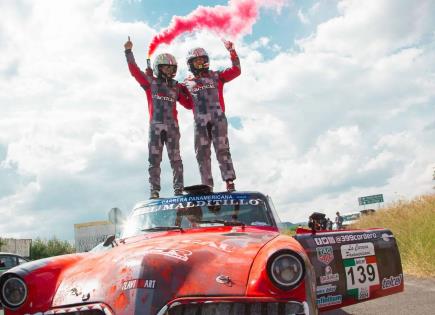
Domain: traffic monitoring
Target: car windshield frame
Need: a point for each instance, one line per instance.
(200, 211)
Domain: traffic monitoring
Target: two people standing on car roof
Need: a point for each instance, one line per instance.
(203, 93)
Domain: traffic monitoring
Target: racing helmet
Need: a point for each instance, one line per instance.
(192, 54)
(164, 59)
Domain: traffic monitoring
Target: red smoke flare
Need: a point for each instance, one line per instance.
(232, 20)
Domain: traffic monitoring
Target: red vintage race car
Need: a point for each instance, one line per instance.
(209, 253)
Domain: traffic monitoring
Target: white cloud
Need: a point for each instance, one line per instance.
(349, 114)
(372, 29)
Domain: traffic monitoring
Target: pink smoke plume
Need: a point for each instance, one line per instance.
(232, 20)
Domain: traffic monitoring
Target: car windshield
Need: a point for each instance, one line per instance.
(198, 211)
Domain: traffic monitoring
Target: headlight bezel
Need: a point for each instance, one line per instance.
(274, 259)
(5, 300)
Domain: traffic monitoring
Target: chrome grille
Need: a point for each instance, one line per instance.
(236, 308)
(88, 309)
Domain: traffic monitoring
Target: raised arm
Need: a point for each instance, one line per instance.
(143, 79)
(233, 72)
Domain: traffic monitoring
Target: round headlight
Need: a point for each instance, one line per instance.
(13, 292)
(286, 269)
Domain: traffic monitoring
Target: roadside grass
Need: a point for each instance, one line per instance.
(413, 225)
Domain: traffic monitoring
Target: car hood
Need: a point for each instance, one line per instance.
(149, 271)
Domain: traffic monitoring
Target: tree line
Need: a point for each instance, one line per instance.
(43, 248)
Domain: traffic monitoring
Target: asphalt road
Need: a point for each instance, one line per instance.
(418, 298)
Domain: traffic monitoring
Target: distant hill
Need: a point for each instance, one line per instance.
(291, 226)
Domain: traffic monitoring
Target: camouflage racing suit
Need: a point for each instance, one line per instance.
(162, 96)
(206, 89)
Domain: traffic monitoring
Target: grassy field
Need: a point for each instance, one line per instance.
(413, 224)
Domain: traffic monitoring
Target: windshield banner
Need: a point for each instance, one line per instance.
(199, 201)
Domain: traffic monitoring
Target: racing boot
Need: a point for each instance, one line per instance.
(230, 185)
(178, 191)
(154, 194)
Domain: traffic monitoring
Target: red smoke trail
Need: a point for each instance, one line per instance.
(232, 20)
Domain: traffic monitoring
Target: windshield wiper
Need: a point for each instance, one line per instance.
(224, 222)
(162, 228)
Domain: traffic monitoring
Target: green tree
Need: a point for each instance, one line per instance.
(48, 248)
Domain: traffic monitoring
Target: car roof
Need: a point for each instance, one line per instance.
(10, 254)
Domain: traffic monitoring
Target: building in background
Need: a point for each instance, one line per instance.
(90, 234)
(16, 246)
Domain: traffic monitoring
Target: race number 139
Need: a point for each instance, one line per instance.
(361, 272)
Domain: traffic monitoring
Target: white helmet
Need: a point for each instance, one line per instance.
(164, 59)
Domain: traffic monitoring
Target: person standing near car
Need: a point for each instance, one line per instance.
(211, 126)
(328, 224)
(162, 94)
(338, 221)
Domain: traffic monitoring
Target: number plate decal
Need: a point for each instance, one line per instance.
(362, 276)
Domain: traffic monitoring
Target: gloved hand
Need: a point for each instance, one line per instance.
(128, 44)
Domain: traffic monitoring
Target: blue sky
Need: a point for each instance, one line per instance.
(336, 101)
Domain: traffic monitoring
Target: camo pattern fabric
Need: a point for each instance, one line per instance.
(164, 99)
(164, 130)
(210, 127)
(159, 135)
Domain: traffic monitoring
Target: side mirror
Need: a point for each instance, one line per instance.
(109, 241)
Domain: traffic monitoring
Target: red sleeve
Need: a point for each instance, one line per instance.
(143, 79)
(184, 97)
(233, 72)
